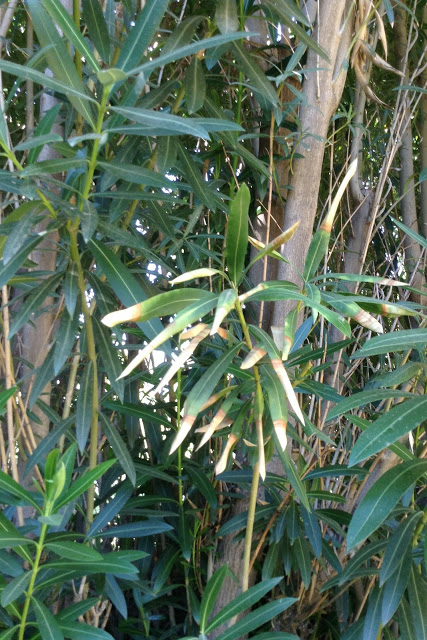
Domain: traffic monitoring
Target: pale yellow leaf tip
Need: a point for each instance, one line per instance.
(130, 314)
(185, 427)
(191, 275)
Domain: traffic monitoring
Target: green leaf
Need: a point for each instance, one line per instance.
(209, 198)
(274, 635)
(11, 539)
(8, 633)
(257, 618)
(358, 400)
(20, 231)
(204, 485)
(172, 125)
(10, 486)
(136, 529)
(84, 406)
(44, 80)
(71, 288)
(389, 427)
(361, 556)
(243, 602)
(78, 631)
(188, 50)
(210, 595)
(237, 233)
(142, 33)
(395, 586)
(303, 560)
(373, 616)
(65, 339)
(293, 477)
(33, 302)
(226, 16)
(195, 86)
(395, 341)
(4, 133)
(312, 530)
(381, 498)
(164, 304)
(58, 58)
(137, 175)
(122, 281)
(15, 588)
(73, 611)
(115, 566)
(144, 412)
(84, 482)
(287, 12)
(417, 591)
(74, 551)
(9, 270)
(201, 392)
(261, 85)
(65, 22)
(48, 443)
(183, 319)
(110, 510)
(185, 536)
(5, 395)
(48, 626)
(412, 234)
(406, 625)
(98, 32)
(110, 357)
(119, 448)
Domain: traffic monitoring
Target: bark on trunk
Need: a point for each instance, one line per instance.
(322, 91)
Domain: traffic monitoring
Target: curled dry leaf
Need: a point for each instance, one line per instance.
(222, 462)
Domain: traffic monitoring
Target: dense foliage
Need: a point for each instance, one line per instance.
(143, 146)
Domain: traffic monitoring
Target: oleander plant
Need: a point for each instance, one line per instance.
(213, 350)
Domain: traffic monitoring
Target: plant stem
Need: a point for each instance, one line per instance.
(30, 589)
(255, 475)
(93, 451)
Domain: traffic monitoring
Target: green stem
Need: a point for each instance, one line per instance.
(178, 426)
(255, 475)
(93, 451)
(30, 589)
(95, 148)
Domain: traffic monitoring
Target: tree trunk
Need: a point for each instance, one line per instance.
(322, 91)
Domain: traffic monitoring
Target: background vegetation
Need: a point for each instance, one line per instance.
(213, 355)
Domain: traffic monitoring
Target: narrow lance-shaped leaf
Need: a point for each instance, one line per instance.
(219, 419)
(260, 616)
(276, 404)
(182, 320)
(272, 246)
(267, 343)
(397, 545)
(62, 18)
(388, 428)
(355, 312)
(226, 16)
(223, 459)
(210, 595)
(196, 273)
(142, 33)
(226, 302)
(182, 358)
(237, 233)
(195, 86)
(48, 626)
(119, 448)
(395, 586)
(84, 406)
(381, 498)
(417, 591)
(58, 57)
(201, 392)
(289, 333)
(320, 241)
(395, 341)
(98, 32)
(84, 482)
(164, 304)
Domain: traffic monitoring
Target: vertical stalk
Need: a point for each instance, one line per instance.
(30, 589)
(256, 474)
(93, 450)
